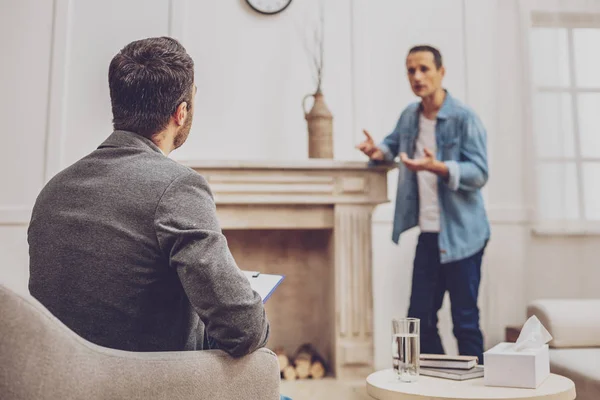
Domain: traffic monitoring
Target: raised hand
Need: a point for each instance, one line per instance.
(369, 148)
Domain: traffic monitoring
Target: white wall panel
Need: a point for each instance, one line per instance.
(252, 72)
(97, 31)
(25, 40)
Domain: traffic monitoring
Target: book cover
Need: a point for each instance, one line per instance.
(454, 374)
(445, 357)
(445, 361)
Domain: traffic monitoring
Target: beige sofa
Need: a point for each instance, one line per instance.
(42, 359)
(575, 348)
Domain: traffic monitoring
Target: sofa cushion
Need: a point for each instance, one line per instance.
(582, 366)
(571, 322)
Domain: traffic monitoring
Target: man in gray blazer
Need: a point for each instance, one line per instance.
(125, 247)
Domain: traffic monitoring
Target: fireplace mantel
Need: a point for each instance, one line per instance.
(285, 194)
(306, 195)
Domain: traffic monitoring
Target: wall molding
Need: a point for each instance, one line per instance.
(57, 93)
(177, 19)
(360, 72)
(15, 215)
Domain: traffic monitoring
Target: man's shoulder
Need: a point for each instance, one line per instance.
(411, 110)
(409, 116)
(462, 111)
(136, 169)
(182, 171)
(170, 175)
(173, 169)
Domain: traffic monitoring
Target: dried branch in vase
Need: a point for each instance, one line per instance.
(314, 50)
(319, 119)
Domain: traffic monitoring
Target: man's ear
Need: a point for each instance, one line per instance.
(181, 113)
(443, 71)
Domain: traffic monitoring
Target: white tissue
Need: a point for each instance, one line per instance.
(533, 335)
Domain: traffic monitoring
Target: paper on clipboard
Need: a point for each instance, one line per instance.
(263, 284)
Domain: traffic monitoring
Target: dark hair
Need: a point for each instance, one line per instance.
(148, 79)
(437, 56)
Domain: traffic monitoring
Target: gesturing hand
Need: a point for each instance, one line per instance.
(427, 163)
(369, 148)
(421, 164)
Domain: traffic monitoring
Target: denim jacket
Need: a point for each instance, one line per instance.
(461, 145)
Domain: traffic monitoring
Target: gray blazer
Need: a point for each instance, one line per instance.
(125, 249)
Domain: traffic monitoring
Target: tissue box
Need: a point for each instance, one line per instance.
(507, 367)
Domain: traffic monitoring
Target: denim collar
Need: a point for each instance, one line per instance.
(447, 107)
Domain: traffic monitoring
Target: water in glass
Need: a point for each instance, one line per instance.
(405, 350)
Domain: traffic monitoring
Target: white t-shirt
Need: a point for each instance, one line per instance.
(429, 209)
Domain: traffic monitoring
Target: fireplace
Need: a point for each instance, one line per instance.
(311, 221)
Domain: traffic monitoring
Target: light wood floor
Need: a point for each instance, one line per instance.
(326, 389)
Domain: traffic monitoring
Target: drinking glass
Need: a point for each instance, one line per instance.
(406, 348)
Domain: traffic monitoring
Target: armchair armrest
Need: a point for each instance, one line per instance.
(43, 359)
(572, 323)
(209, 374)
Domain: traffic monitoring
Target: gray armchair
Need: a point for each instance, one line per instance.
(42, 359)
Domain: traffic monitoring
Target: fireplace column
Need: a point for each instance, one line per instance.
(354, 293)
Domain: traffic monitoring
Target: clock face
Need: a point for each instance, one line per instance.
(269, 6)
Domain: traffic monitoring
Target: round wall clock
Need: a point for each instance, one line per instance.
(269, 7)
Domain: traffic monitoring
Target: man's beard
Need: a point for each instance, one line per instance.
(184, 132)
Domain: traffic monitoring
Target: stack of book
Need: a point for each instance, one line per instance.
(458, 368)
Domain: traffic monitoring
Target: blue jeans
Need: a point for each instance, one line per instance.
(431, 279)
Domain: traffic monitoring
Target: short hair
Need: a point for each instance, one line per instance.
(148, 80)
(437, 56)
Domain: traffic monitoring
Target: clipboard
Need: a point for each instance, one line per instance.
(263, 284)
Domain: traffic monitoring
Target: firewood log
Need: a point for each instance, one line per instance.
(303, 360)
(283, 359)
(317, 370)
(289, 373)
(308, 361)
(303, 369)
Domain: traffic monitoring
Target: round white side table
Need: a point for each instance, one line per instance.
(384, 385)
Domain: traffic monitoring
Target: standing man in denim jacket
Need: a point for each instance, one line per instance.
(442, 148)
